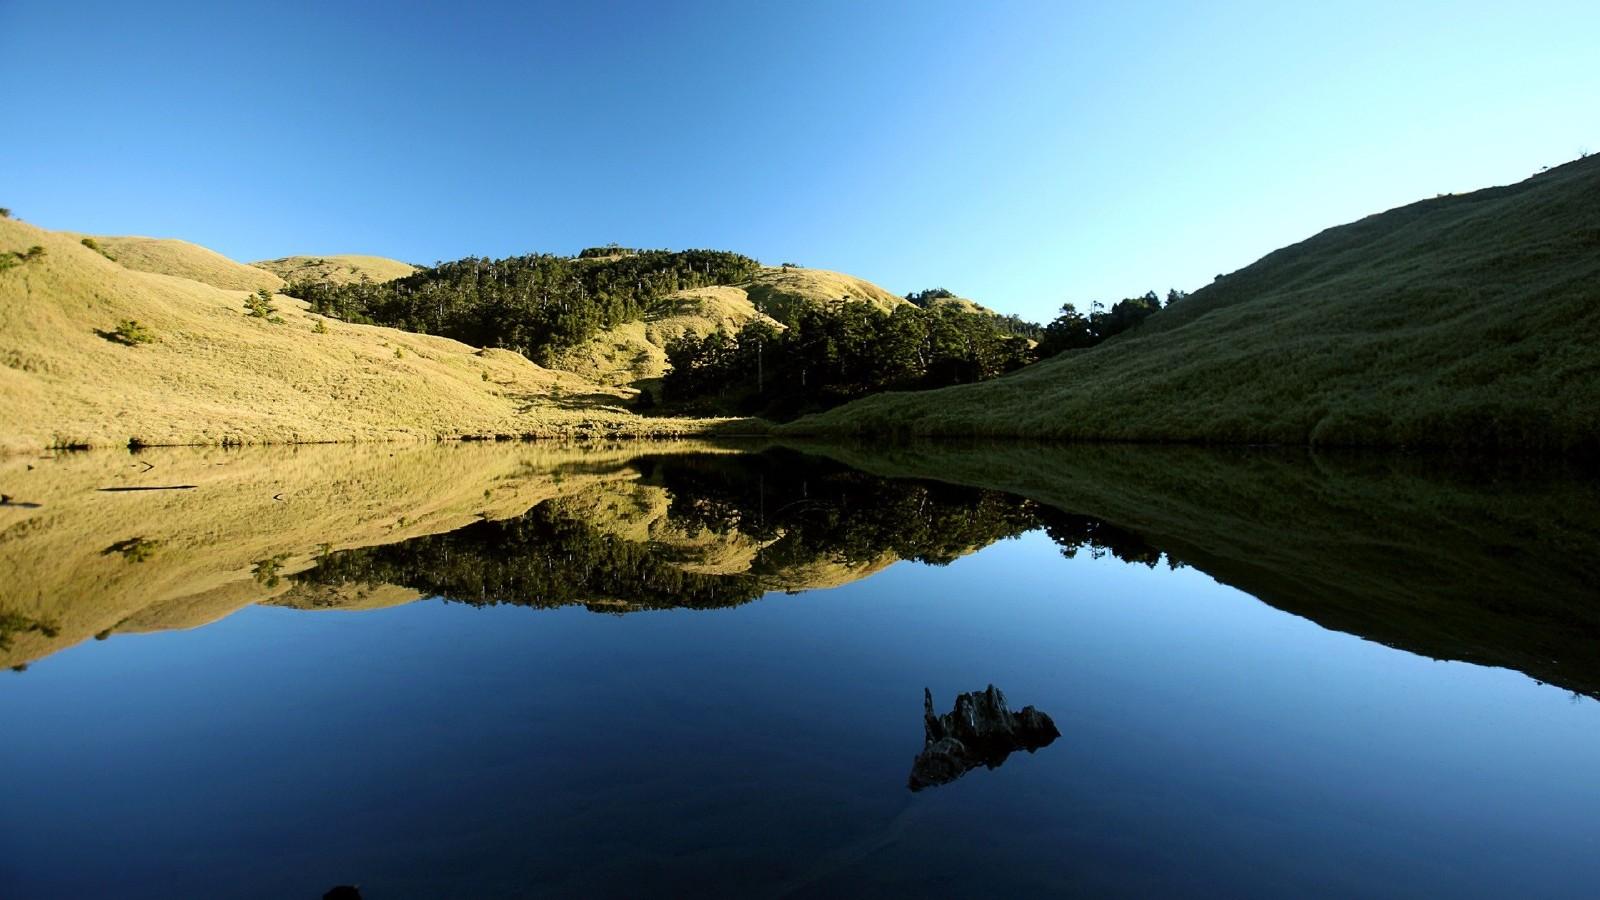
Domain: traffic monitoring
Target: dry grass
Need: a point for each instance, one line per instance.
(963, 304)
(637, 512)
(634, 353)
(169, 256)
(215, 376)
(782, 293)
(1462, 320)
(345, 269)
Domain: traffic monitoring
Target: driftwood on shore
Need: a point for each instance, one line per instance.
(979, 731)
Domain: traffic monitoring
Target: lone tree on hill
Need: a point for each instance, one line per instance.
(259, 306)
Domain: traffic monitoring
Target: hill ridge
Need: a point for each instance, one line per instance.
(1468, 320)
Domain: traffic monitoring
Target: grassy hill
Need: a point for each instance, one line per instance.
(211, 374)
(345, 269)
(169, 256)
(1465, 320)
(782, 292)
(635, 352)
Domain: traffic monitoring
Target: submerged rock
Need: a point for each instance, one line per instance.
(979, 731)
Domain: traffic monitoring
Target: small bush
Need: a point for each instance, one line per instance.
(5, 212)
(321, 327)
(259, 306)
(134, 550)
(10, 260)
(398, 353)
(130, 332)
(268, 572)
(94, 245)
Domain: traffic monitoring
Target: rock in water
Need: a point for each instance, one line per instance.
(980, 731)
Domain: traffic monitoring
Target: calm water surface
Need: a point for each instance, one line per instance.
(705, 675)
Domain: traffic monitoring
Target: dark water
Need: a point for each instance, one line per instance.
(598, 711)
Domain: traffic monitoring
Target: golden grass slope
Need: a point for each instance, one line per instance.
(215, 376)
(169, 256)
(635, 352)
(344, 269)
(1469, 320)
(782, 292)
(963, 304)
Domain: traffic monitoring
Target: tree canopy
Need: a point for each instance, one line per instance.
(532, 304)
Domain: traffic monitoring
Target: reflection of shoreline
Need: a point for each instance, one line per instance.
(1491, 562)
(691, 532)
(253, 505)
(1491, 570)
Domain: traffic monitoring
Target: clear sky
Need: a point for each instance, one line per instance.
(1024, 154)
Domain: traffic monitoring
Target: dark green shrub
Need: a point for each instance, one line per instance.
(130, 332)
(94, 245)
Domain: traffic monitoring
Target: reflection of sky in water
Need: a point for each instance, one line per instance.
(1210, 743)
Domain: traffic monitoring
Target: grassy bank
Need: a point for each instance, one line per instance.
(96, 354)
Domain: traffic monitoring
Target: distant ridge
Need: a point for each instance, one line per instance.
(170, 256)
(342, 269)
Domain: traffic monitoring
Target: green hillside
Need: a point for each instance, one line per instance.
(1465, 320)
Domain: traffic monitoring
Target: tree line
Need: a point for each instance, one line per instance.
(831, 354)
(533, 304)
(1072, 330)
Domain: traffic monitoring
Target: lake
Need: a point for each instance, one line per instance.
(485, 670)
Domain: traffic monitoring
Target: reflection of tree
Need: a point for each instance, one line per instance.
(15, 623)
(1074, 533)
(801, 510)
(813, 510)
(541, 558)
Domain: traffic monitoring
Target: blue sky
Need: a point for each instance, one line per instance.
(1025, 154)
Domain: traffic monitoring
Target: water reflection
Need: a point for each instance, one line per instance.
(479, 748)
(1492, 566)
(690, 531)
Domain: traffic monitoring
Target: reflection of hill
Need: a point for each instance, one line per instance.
(1495, 566)
(87, 562)
(694, 531)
